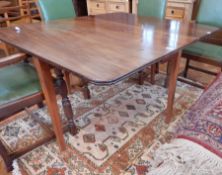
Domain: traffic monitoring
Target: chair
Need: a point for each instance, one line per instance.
(154, 8)
(209, 50)
(61, 9)
(19, 85)
(19, 88)
(151, 8)
(30, 8)
(15, 15)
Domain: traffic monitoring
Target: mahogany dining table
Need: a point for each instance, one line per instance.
(103, 50)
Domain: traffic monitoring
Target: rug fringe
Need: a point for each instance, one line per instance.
(16, 170)
(185, 157)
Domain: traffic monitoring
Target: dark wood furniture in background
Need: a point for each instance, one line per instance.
(4, 3)
(3, 45)
(81, 7)
(96, 7)
(100, 59)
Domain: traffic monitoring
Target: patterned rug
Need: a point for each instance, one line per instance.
(179, 157)
(116, 126)
(195, 141)
(203, 122)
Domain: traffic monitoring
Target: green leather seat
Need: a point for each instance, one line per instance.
(154, 8)
(209, 13)
(56, 9)
(18, 81)
(206, 50)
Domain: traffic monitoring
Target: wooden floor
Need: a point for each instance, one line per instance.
(196, 76)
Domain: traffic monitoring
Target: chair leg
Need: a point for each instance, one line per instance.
(185, 73)
(166, 83)
(40, 105)
(157, 70)
(61, 84)
(86, 91)
(141, 78)
(152, 74)
(68, 83)
(8, 160)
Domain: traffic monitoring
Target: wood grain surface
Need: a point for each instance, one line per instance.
(105, 48)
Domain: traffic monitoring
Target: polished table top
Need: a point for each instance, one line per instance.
(105, 48)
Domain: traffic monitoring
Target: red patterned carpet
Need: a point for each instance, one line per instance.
(195, 141)
(203, 122)
(119, 126)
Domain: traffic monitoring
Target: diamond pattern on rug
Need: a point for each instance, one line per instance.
(21, 132)
(111, 118)
(11, 131)
(43, 160)
(118, 134)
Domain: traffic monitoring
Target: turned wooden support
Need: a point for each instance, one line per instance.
(141, 78)
(152, 74)
(143, 75)
(157, 68)
(85, 89)
(62, 88)
(68, 82)
(186, 68)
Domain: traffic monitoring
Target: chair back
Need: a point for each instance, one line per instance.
(154, 8)
(12, 14)
(210, 13)
(30, 7)
(56, 9)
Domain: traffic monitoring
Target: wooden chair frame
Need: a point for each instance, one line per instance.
(9, 109)
(216, 39)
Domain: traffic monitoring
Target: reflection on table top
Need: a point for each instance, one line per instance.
(105, 48)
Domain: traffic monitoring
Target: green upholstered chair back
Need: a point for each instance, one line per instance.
(155, 8)
(210, 13)
(56, 9)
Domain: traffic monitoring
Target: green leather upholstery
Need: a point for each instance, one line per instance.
(210, 13)
(205, 50)
(56, 9)
(18, 81)
(155, 8)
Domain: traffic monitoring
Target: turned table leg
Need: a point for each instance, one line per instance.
(141, 78)
(85, 90)
(63, 91)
